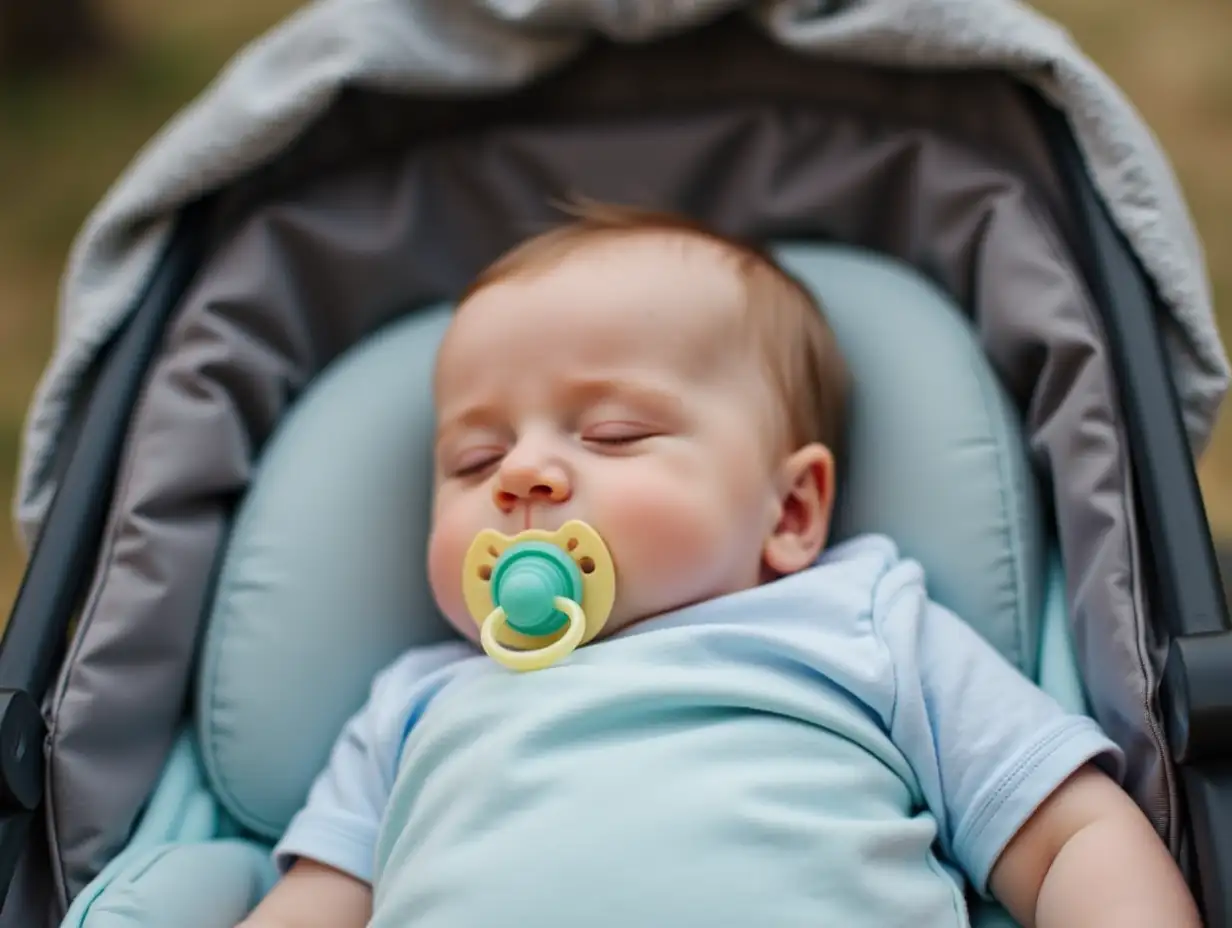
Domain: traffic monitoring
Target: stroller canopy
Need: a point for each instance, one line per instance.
(275, 90)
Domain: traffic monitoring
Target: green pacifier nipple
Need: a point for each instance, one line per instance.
(526, 581)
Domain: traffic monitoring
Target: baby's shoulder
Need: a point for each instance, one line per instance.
(414, 664)
(840, 595)
(867, 548)
(863, 582)
(411, 678)
(864, 563)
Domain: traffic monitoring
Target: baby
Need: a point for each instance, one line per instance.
(769, 731)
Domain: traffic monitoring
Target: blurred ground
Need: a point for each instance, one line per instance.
(63, 141)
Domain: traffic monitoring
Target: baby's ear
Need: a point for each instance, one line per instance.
(806, 501)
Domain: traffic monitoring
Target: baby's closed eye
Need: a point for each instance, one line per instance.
(471, 461)
(619, 432)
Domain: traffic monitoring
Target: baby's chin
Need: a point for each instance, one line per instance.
(464, 625)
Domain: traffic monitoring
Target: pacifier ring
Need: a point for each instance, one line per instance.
(539, 658)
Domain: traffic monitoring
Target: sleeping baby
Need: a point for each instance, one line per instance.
(767, 730)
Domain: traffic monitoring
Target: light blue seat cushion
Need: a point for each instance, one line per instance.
(206, 884)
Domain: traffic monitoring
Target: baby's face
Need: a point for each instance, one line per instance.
(617, 387)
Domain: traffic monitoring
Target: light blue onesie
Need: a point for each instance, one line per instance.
(828, 749)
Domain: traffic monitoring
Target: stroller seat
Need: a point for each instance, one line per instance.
(323, 581)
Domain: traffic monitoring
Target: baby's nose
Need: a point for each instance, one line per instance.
(527, 484)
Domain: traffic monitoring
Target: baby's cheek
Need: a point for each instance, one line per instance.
(447, 548)
(664, 540)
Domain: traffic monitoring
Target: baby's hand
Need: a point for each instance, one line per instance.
(1089, 857)
(313, 895)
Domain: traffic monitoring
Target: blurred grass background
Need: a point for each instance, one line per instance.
(65, 137)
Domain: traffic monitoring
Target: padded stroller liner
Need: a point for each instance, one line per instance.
(312, 269)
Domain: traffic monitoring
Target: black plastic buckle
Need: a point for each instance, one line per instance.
(22, 731)
(1198, 697)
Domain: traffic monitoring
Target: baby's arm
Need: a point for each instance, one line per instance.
(1089, 857)
(1025, 792)
(313, 895)
(328, 849)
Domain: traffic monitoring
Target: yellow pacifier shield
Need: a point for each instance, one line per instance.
(538, 595)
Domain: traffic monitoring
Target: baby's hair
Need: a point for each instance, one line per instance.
(802, 355)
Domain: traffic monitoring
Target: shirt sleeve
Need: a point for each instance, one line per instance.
(986, 744)
(338, 823)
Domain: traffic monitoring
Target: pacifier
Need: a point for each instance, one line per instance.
(539, 595)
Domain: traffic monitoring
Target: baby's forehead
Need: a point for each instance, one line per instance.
(653, 299)
(653, 281)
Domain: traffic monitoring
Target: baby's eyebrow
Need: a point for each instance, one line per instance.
(585, 391)
(475, 417)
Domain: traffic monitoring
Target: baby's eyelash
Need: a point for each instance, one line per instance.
(619, 439)
(618, 434)
(476, 468)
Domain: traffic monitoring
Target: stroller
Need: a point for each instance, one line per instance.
(226, 470)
